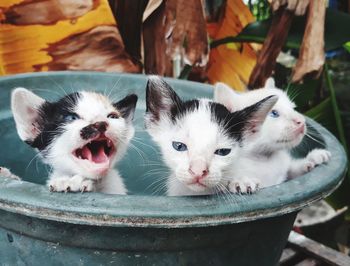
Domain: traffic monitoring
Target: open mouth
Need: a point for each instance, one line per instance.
(97, 151)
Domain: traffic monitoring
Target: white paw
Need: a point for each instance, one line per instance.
(78, 183)
(71, 184)
(308, 166)
(319, 156)
(5, 172)
(58, 185)
(87, 186)
(243, 186)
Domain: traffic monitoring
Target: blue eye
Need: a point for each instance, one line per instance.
(222, 152)
(179, 146)
(70, 117)
(274, 114)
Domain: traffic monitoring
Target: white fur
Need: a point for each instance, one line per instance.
(5, 172)
(266, 161)
(68, 172)
(203, 137)
(26, 114)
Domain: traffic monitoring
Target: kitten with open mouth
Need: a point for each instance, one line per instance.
(81, 136)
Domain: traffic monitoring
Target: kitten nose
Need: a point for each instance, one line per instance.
(298, 121)
(199, 170)
(101, 126)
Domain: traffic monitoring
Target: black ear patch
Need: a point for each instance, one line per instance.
(253, 116)
(51, 119)
(126, 106)
(160, 98)
(244, 122)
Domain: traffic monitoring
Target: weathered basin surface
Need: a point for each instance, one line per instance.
(145, 228)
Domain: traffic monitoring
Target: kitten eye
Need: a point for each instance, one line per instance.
(274, 113)
(222, 152)
(179, 146)
(113, 116)
(70, 117)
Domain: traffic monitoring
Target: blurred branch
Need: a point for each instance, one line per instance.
(312, 56)
(128, 15)
(176, 28)
(273, 44)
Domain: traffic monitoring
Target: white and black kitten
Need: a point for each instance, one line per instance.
(81, 136)
(199, 139)
(267, 160)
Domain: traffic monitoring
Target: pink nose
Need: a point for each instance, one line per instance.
(300, 125)
(198, 170)
(199, 175)
(298, 121)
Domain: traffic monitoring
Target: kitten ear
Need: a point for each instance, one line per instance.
(226, 96)
(25, 107)
(270, 83)
(160, 99)
(126, 106)
(256, 114)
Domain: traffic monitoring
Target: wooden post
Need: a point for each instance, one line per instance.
(273, 44)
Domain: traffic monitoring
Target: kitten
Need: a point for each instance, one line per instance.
(81, 136)
(199, 139)
(267, 161)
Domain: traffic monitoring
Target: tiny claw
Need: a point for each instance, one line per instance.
(67, 189)
(238, 189)
(52, 189)
(84, 189)
(249, 190)
(309, 168)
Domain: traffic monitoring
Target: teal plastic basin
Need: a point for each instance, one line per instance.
(146, 227)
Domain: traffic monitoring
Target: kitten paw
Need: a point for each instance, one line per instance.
(243, 186)
(87, 186)
(71, 184)
(314, 158)
(319, 156)
(5, 172)
(58, 184)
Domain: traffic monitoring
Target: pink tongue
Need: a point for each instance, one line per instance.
(97, 157)
(100, 156)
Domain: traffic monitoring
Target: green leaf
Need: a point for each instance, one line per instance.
(327, 113)
(323, 114)
(337, 31)
(347, 46)
(185, 72)
(335, 108)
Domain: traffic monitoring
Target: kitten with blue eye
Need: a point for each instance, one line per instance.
(199, 138)
(81, 136)
(266, 161)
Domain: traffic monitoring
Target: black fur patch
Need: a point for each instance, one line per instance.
(232, 123)
(51, 119)
(127, 106)
(179, 110)
(93, 130)
(236, 123)
(160, 97)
